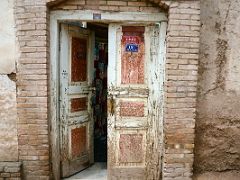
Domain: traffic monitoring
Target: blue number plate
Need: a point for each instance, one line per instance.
(132, 48)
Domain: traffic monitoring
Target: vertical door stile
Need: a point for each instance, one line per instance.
(153, 168)
(161, 59)
(111, 94)
(64, 76)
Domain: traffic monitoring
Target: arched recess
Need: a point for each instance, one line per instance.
(160, 3)
(52, 4)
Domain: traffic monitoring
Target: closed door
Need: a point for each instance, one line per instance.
(76, 122)
(135, 100)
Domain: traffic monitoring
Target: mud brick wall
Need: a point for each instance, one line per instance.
(218, 116)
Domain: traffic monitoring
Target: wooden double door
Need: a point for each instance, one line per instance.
(135, 86)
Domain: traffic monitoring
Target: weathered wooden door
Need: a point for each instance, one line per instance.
(135, 101)
(76, 122)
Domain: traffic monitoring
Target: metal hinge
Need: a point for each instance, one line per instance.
(111, 105)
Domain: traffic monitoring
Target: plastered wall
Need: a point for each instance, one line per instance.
(8, 110)
(7, 37)
(218, 115)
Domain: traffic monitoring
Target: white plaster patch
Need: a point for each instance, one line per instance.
(233, 71)
(8, 51)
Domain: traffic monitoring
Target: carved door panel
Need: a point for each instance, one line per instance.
(76, 122)
(135, 84)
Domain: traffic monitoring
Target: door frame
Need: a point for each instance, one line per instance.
(57, 17)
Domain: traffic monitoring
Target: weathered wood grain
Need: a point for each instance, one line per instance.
(135, 124)
(76, 122)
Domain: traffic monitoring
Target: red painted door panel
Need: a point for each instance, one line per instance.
(79, 59)
(132, 56)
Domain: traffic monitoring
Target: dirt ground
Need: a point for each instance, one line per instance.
(229, 175)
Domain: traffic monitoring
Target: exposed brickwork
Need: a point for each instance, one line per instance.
(31, 20)
(108, 5)
(180, 90)
(181, 86)
(10, 171)
(159, 3)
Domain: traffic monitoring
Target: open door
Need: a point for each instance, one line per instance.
(76, 122)
(135, 100)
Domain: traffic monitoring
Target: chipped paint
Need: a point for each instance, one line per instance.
(116, 91)
(131, 148)
(76, 122)
(135, 127)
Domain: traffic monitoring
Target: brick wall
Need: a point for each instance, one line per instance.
(180, 90)
(10, 171)
(181, 86)
(108, 5)
(31, 20)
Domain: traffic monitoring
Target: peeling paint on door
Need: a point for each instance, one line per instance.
(133, 50)
(134, 109)
(76, 122)
(135, 126)
(130, 146)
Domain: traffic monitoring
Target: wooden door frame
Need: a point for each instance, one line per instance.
(57, 17)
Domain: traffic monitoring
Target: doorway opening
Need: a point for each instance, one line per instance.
(99, 99)
(98, 53)
(136, 45)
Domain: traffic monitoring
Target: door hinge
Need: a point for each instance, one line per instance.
(111, 106)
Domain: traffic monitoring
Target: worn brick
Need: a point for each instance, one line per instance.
(149, 9)
(117, 3)
(5, 175)
(138, 3)
(129, 8)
